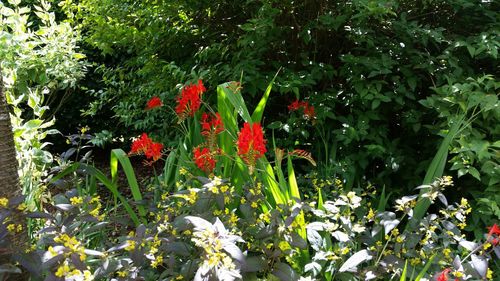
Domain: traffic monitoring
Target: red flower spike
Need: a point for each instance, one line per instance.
(305, 106)
(190, 100)
(141, 145)
(295, 105)
(154, 102)
(154, 151)
(211, 124)
(494, 229)
(204, 159)
(144, 145)
(443, 276)
(251, 143)
(309, 111)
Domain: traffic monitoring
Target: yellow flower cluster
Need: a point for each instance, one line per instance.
(69, 272)
(72, 244)
(212, 246)
(97, 209)
(76, 200)
(130, 245)
(13, 228)
(4, 202)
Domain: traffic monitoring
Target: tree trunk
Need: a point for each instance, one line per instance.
(10, 186)
(9, 178)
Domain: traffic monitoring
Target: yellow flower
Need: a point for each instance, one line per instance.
(130, 245)
(489, 274)
(283, 245)
(446, 181)
(22, 207)
(233, 219)
(464, 203)
(76, 200)
(63, 270)
(446, 252)
(400, 239)
(122, 273)
(224, 188)
(158, 260)
(415, 261)
(254, 205)
(11, 228)
(344, 250)
(371, 214)
(4, 202)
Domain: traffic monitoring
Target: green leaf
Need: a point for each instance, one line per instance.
(471, 50)
(259, 110)
(355, 260)
(403, 275)
(426, 267)
(90, 170)
(118, 155)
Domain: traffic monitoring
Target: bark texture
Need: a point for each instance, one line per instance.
(9, 179)
(9, 186)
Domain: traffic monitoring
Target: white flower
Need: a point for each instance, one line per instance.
(220, 250)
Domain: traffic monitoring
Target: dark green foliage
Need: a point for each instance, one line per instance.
(386, 77)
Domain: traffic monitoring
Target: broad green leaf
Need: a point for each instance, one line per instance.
(355, 260)
(118, 155)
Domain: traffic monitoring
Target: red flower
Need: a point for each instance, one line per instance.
(141, 145)
(295, 105)
(204, 159)
(211, 124)
(251, 143)
(144, 145)
(494, 230)
(305, 106)
(309, 111)
(443, 276)
(154, 102)
(154, 151)
(190, 100)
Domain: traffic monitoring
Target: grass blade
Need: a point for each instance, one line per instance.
(259, 109)
(436, 168)
(403, 275)
(118, 155)
(426, 267)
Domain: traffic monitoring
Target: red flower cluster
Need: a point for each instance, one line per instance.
(309, 112)
(204, 159)
(144, 145)
(251, 143)
(211, 124)
(204, 155)
(190, 100)
(494, 234)
(443, 276)
(153, 103)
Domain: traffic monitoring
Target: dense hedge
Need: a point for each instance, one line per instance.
(387, 78)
